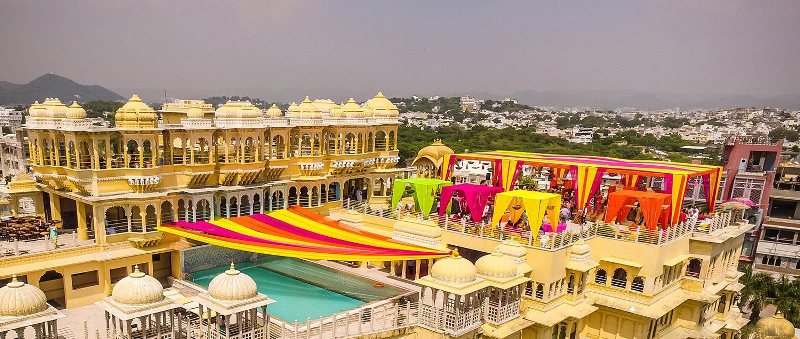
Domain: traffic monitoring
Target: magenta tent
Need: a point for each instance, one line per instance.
(476, 197)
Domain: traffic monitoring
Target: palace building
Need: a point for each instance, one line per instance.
(236, 222)
(109, 188)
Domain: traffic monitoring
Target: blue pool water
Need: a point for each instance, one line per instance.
(304, 290)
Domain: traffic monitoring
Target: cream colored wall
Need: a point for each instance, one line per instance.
(610, 323)
(87, 295)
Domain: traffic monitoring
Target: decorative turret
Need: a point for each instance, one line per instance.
(232, 285)
(238, 110)
(20, 299)
(137, 289)
(274, 112)
(75, 111)
(379, 106)
(136, 114)
(307, 109)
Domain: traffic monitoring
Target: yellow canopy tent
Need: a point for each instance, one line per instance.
(536, 204)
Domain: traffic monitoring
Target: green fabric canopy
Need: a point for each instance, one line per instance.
(425, 191)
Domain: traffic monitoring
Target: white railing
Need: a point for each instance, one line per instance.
(499, 313)
(547, 241)
(718, 221)
(387, 315)
(44, 244)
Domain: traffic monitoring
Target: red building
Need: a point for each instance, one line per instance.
(749, 172)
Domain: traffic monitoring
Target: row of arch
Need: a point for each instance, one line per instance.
(117, 150)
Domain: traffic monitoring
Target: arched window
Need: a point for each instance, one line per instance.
(620, 278)
(693, 270)
(571, 283)
(721, 306)
(600, 277)
(539, 291)
(637, 285)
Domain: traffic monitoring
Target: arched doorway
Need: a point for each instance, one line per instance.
(52, 284)
(166, 213)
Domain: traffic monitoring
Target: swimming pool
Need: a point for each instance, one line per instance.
(304, 290)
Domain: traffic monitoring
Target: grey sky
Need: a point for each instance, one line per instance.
(283, 49)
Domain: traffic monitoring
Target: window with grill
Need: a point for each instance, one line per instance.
(600, 277)
(637, 285)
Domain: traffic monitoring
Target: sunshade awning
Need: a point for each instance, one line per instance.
(299, 233)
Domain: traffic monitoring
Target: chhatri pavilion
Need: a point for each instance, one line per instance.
(146, 208)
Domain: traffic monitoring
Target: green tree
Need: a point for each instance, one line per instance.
(784, 133)
(755, 294)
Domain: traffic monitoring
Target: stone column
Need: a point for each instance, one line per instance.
(83, 233)
(55, 207)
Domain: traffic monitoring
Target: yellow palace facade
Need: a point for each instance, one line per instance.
(112, 186)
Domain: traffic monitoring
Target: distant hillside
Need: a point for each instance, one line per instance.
(643, 99)
(5, 85)
(51, 85)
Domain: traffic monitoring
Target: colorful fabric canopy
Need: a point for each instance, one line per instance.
(536, 204)
(425, 191)
(476, 198)
(651, 203)
(299, 233)
(587, 172)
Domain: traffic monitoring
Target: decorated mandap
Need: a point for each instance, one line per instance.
(475, 196)
(539, 207)
(425, 192)
(586, 173)
(299, 233)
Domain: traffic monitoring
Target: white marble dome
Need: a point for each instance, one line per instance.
(454, 269)
(137, 289)
(496, 265)
(232, 285)
(20, 299)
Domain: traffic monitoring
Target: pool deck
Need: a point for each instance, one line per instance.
(371, 274)
(72, 326)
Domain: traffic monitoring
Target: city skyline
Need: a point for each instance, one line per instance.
(285, 50)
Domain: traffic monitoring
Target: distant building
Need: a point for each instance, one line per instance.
(13, 154)
(10, 118)
(581, 135)
(469, 104)
(749, 170)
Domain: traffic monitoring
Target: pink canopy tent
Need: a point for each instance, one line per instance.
(476, 197)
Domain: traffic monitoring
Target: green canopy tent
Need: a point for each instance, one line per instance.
(425, 191)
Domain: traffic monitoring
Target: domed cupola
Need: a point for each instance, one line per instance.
(774, 327)
(21, 299)
(232, 285)
(307, 109)
(382, 107)
(55, 108)
(325, 105)
(274, 112)
(137, 289)
(195, 113)
(75, 111)
(136, 114)
(238, 110)
(292, 110)
(352, 109)
(496, 265)
(454, 269)
(37, 110)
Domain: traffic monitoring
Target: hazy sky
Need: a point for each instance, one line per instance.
(331, 48)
